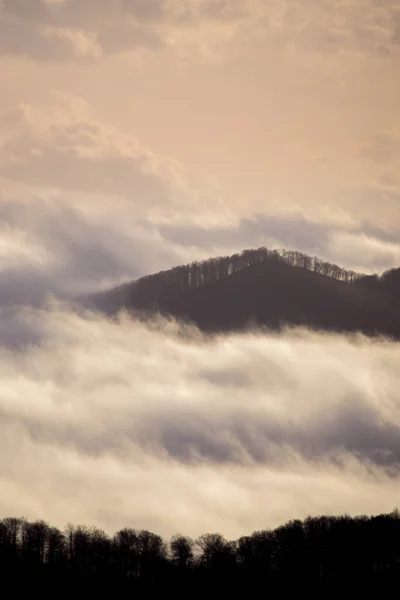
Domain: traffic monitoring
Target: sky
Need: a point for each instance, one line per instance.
(170, 130)
(140, 134)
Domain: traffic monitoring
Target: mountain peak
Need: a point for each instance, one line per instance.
(266, 288)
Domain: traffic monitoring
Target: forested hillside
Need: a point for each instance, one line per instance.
(266, 288)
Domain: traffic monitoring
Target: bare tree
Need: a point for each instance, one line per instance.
(182, 551)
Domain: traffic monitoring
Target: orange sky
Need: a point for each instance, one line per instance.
(262, 107)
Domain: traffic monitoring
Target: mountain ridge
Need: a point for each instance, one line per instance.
(265, 288)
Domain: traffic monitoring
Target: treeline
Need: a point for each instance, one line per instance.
(196, 274)
(389, 281)
(316, 549)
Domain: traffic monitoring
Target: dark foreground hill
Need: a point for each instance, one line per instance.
(266, 288)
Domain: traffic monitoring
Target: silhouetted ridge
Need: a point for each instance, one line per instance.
(266, 288)
(196, 274)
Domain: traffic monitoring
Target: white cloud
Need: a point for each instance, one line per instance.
(114, 423)
(363, 252)
(50, 247)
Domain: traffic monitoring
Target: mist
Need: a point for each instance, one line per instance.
(120, 423)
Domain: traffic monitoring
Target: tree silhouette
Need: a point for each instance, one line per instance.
(320, 550)
(218, 556)
(182, 552)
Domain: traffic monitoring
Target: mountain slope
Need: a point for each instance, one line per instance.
(265, 292)
(388, 282)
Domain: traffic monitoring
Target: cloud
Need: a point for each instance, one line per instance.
(338, 26)
(74, 12)
(363, 251)
(75, 30)
(107, 209)
(68, 149)
(291, 230)
(360, 246)
(111, 422)
(61, 251)
(122, 37)
(83, 217)
(46, 42)
(18, 329)
(82, 30)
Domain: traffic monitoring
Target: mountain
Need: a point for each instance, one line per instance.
(388, 282)
(265, 288)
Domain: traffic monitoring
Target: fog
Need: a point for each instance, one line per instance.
(119, 423)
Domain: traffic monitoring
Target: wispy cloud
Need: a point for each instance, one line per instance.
(114, 422)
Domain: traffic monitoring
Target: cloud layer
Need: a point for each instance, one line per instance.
(116, 423)
(75, 30)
